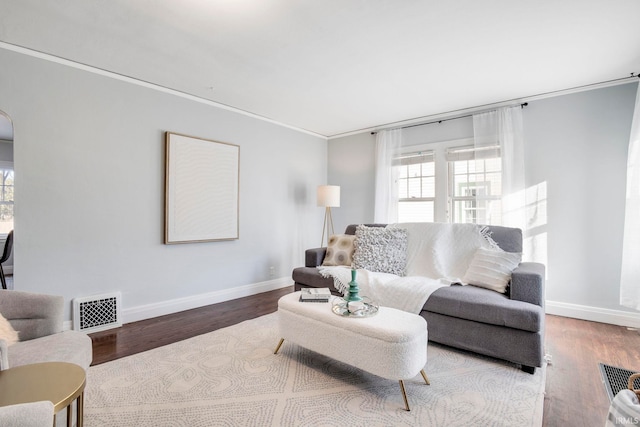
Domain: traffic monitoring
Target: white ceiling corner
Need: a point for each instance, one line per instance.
(336, 66)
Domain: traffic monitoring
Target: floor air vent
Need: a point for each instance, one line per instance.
(616, 379)
(97, 313)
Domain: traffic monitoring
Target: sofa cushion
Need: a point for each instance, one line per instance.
(491, 269)
(340, 250)
(485, 306)
(68, 346)
(32, 414)
(382, 250)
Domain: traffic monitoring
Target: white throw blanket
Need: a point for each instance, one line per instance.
(438, 254)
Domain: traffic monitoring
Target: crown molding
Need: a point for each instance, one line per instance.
(148, 85)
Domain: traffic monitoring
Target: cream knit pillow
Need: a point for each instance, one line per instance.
(491, 269)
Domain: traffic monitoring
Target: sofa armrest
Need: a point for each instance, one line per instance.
(32, 315)
(527, 283)
(34, 414)
(314, 257)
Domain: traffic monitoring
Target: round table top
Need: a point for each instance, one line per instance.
(58, 382)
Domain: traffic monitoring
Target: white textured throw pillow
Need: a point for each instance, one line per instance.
(491, 269)
(382, 250)
(7, 332)
(340, 250)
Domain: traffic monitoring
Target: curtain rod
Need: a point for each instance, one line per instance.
(522, 105)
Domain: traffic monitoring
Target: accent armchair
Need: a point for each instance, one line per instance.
(38, 318)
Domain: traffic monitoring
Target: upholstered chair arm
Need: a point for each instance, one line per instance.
(34, 414)
(4, 355)
(527, 283)
(32, 315)
(314, 257)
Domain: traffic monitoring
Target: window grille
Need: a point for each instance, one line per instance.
(475, 185)
(416, 186)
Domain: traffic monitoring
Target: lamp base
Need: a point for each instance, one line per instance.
(327, 225)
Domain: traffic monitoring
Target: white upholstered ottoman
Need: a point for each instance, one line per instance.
(392, 344)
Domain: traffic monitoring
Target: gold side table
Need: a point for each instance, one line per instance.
(58, 382)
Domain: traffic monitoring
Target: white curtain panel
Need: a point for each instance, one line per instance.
(504, 127)
(630, 278)
(388, 144)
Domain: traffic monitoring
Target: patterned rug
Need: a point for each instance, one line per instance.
(231, 377)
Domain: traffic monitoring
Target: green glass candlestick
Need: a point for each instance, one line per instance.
(353, 288)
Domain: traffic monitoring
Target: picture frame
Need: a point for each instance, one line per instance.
(202, 183)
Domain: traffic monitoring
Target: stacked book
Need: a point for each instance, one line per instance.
(315, 295)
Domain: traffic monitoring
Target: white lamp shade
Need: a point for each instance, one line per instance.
(329, 196)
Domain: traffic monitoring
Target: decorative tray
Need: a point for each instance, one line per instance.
(365, 308)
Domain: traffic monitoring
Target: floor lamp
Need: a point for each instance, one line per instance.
(329, 197)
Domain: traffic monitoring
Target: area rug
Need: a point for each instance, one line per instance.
(231, 377)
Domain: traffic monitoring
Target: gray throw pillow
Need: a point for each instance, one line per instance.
(380, 249)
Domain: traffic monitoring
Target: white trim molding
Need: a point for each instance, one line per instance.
(149, 85)
(594, 314)
(456, 114)
(148, 311)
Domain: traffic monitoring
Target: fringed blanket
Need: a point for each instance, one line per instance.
(437, 255)
(408, 293)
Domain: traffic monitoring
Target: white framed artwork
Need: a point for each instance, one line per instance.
(202, 183)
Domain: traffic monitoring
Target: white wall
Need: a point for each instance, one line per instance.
(352, 167)
(89, 162)
(576, 148)
(6, 151)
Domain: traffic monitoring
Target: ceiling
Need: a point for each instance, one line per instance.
(337, 66)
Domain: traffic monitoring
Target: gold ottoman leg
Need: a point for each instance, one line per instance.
(404, 396)
(279, 345)
(426, 380)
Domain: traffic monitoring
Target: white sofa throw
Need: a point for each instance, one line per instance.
(438, 254)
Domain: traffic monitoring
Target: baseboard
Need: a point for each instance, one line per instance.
(148, 311)
(594, 314)
(134, 314)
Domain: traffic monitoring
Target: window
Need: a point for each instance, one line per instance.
(450, 182)
(475, 179)
(416, 187)
(6, 200)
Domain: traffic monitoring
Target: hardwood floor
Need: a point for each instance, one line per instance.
(141, 336)
(575, 395)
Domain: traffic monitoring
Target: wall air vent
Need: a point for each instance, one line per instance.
(97, 313)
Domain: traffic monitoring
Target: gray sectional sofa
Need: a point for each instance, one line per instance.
(505, 326)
